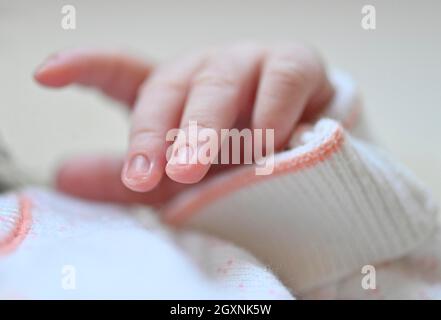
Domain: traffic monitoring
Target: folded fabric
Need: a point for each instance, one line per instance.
(332, 205)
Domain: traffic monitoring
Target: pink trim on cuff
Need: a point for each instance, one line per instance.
(21, 228)
(178, 213)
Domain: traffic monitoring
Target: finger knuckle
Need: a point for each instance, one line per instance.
(289, 73)
(215, 77)
(143, 135)
(167, 83)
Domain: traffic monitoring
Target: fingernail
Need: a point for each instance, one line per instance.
(49, 62)
(138, 168)
(41, 68)
(184, 155)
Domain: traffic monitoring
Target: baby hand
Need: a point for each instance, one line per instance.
(241, 86)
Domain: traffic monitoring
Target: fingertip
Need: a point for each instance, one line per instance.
(58, 70)
(140, 173)
(189, 162)
(187, 174)
(38, 74)
(54, 76)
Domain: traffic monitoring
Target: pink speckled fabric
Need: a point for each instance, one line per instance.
(116, 252)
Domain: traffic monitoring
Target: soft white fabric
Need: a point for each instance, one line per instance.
(321, 223)
(336, 204)
(116, 253)
(333, 205)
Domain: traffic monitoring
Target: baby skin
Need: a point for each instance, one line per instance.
(238, 86)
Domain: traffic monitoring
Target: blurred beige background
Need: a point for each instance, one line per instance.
(397, 66)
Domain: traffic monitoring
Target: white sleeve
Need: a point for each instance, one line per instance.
(333, 203)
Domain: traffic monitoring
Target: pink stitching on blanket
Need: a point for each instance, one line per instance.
(21, 228)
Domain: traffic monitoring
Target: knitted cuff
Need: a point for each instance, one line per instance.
(331, 205)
